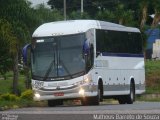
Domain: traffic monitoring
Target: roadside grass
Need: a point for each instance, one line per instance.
(8, 100)
(6, 85)
(152, 74)
(152, 77)
(149, 99)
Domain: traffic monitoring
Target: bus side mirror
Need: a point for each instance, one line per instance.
(86, 48)
(25, 53)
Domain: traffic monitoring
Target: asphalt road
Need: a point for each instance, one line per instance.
(138, 110)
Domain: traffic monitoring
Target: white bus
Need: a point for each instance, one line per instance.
(88, 60)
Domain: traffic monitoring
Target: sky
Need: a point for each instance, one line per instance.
(35, 2)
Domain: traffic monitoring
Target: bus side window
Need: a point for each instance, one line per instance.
(100, 42)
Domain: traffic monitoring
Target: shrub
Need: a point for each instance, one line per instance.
(9, 97)
(27, 95)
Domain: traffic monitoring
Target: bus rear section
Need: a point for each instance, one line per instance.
(120, 64)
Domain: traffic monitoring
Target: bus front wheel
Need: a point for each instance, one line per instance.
(99, 98)
(92, 100)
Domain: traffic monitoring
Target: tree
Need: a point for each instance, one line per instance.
(22, 36)
(119, 15)
(44, 14)
(106, 15)
(15, 12)
(156, 20)
(77, 15)
(143, 5)
(124, 16)
(74, 6)
(5, 60)
(22, 21)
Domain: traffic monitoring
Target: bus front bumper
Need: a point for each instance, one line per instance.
(79, 92)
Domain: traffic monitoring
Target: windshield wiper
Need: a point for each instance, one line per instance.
(49, 70)
(66, 69)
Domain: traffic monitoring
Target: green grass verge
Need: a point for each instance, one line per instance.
(146, 99)
(6, 85)
(8, 101)
(152, 77)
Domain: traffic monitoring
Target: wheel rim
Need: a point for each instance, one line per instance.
(99, 94)
(132, 93)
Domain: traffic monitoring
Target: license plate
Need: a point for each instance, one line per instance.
(59, 94)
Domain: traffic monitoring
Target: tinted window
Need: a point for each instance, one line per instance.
(118, 42)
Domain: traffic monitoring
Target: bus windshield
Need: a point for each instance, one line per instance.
(57, 58)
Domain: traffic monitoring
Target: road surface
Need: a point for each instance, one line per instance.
(138, 110)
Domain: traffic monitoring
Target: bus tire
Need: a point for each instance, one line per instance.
(96, 100)
(52, 103)
(131, 96)
(122, 100)
(84, 101)
(100, 90)
(91, 100)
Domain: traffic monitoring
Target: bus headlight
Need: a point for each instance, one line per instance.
(37, 95)
(86, 80)
(81, 91)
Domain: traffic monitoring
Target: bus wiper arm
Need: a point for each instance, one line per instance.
(49, 70)
(66, 69)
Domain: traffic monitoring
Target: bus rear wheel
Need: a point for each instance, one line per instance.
(52, 103)
(129, 99)
(131, 96)
(122, 100)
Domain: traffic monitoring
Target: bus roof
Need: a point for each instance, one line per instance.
(77, 26)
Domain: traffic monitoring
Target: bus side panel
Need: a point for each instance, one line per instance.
(117, 72)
